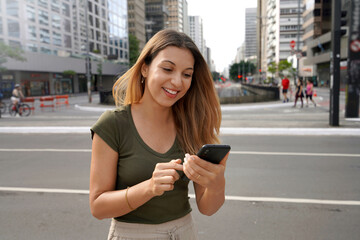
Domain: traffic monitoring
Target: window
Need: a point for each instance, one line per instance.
(13, 28)
(55, 6)
(12, 8)
(57, 39)
(67, 41)
(44, 36)
(31, 47)
(43, 18)
(66, 9)
(42, 3)
(45, 50)
(30, 13)
(66, 25)
(31, 33)
(56, 22)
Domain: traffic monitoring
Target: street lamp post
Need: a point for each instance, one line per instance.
(88, 60)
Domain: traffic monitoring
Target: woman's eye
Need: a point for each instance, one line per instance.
(187, 75)
(167, 69)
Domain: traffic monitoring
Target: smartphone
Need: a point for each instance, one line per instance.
(213, 153)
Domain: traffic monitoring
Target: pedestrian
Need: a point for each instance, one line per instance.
(299, 92)
(309, 92)
(285, 86)
(167, 106)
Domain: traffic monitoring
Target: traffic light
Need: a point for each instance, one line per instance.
(239, 76)
(343, 23)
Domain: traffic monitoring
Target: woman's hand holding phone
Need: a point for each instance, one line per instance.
(205, 173)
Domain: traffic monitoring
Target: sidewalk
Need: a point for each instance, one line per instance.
(251, 118)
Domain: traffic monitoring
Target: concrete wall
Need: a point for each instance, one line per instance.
(256, 94)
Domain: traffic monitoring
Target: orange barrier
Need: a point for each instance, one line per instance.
(32, 101)
(62, 100)
(47, 102)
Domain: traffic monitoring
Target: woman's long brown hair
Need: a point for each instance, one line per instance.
(197, 115)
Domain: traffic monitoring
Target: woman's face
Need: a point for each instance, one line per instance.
(168, 77)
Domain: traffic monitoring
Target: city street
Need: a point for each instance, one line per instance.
(293, 185)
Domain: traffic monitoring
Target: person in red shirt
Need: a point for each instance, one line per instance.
(285, 86)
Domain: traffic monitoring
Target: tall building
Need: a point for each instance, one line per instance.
(280, 20)
(196, 32)
(317, 39)
(54, 36)
(156, 17)
(136, 20)
(250, 32)
(178, 18)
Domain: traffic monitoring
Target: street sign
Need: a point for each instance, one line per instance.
(292, 44)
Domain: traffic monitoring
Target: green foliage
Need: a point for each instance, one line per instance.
(242, 68)
(215, 76)
(133, 49)
(96, 51)
(272, 68)
(285, 68)
(69, 72)
(9, 52)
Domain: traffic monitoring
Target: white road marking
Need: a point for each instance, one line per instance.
(223, 131)
(42, 150)
(232, 152)
(230, 198)
(296, 154)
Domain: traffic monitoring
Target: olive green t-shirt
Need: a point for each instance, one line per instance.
(136, 164)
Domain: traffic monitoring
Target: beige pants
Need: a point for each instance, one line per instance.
(179, 229)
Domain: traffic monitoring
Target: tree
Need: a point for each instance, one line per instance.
(215, 75)
(133, 49)
(272, 68)
(242, 68)
(285, 68)
(9, 52)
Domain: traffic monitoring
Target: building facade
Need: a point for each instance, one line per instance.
(55, 36)
(156, 17)
(136, 20)
(250, 32)
(178, 15)
(317, 38)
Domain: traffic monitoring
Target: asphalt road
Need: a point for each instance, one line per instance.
(278, 187)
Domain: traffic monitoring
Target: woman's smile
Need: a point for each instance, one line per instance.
(170, 93)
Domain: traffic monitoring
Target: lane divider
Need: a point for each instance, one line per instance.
(229, 198)
(223, 131)
(355, 155)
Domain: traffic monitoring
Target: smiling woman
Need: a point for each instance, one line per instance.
(167, 106)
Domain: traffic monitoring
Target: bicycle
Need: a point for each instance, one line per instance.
(23, 109)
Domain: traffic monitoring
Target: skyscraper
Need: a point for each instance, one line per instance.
(54, 37)
(250, 32)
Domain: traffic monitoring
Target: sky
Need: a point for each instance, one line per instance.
(224, 26)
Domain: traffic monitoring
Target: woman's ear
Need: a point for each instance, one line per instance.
(144, 70)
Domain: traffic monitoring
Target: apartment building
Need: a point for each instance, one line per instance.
(178, 15)
(156, 17)
(54, 35)
(317, 39)
(136, 20)
(250, 32)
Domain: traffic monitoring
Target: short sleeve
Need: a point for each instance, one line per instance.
(107, 129)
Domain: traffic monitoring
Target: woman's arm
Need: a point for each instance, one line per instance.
(105, 201)
(209, 183)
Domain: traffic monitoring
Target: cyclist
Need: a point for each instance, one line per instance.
(16, 97)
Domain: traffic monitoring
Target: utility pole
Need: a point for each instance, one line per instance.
(353, 81)
(335, 63)
(298, 41)
(88, 60)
